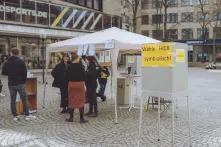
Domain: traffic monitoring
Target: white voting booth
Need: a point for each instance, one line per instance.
(112, 39)
(165, 75)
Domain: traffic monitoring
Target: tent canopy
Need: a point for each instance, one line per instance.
(124, 39)
(120, 40)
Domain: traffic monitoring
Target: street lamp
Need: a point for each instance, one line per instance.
(43, 48)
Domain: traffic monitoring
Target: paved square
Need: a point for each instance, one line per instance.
(51, 130)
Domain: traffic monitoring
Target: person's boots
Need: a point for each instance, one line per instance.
(95, 111)
(82, 120)
(103, 98)
(71, 112)
(64, 110)
(90, 110)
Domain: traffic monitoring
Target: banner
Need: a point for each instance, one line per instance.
(157, 55)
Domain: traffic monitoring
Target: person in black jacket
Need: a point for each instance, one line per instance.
(76, 88)
(60, 81)
(103, 74)
(16, 71)
(91, 84)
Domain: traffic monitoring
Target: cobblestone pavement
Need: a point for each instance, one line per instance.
(50, 129)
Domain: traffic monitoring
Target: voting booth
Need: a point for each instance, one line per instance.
(165, 75)
(165, 69)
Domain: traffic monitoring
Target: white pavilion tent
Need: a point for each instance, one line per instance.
(113, 39)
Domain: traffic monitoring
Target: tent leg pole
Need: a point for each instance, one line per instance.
(45, 86)
(116, 117)
(140, 121)
(189, 123)
(158, 127)
(43, 106)
(173, 117)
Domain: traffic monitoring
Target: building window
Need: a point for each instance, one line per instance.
(29, 17)
(116, 21)
(172, 34)
(202, 16)
(145, 33)
(203, 2)
(217, 32)
(157, 19)
(145, 19)
(172, 3)
(1, 10)
(200, 33)
(12, 15)
(54, 13)
(43, 8)
(187, 17)
(106, 21)
(172, 18)
(187, 2)
(187, 34)
(89, 3)
(94, 4)
(145, 4)
(82, 2)
(156, 4)
(72, 1)
(157, 34)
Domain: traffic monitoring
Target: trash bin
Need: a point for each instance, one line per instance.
(122, 91)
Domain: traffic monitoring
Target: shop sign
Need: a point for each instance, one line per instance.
(157, 55)
(180, 55)
(10, 9)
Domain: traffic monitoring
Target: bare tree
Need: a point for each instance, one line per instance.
(216, 23)
(165, 4)
(158, 5)
(204, 20)
(162, 11)
(134, 5)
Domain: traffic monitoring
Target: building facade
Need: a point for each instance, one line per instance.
(30, 25)
(185, 21)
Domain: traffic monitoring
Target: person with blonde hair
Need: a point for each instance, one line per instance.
(76, 88)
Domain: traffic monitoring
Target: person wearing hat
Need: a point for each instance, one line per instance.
(60, 81)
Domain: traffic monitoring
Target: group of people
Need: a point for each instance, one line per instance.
(75, 76)
(77, 79)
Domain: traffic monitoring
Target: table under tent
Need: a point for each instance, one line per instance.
(112, 39)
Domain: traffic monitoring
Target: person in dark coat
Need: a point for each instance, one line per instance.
(91, 84)
(60, 81)
(76, 88)
(16, 71)
(4, 59)
(103, 74)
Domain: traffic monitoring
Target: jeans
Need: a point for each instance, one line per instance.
(92, 99)
(13, 93)
(1, 85)
(64, 97)
(102, 84)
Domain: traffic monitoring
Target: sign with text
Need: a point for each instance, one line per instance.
(157, 55)
(23, 11)
(180, 55)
